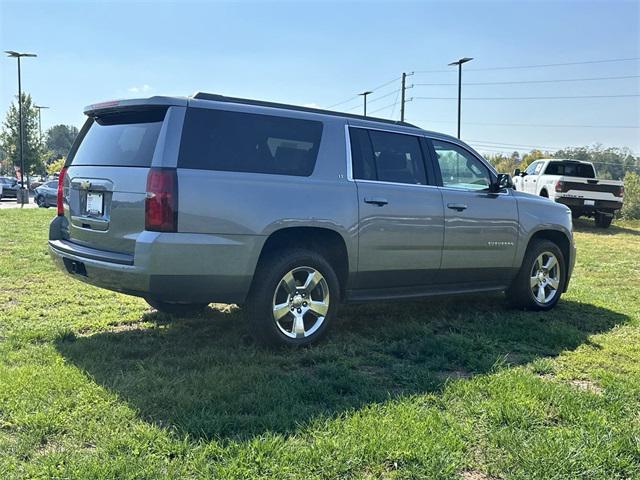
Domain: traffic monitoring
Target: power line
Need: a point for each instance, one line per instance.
(356, 96)
(343, 102)
(384, 96)
(383, 108)
(536, 125)
(545, 65)
(533, 81)
(393, 110)
(514, 144)
(531, 98)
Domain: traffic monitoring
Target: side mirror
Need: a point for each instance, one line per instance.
(516, 172)
(503, 181)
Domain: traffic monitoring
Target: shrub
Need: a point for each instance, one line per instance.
(631, 207)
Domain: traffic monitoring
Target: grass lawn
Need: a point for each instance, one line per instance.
(94, 384)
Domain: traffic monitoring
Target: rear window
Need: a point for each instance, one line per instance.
(571, 169)
(244, 142)
(120, 139)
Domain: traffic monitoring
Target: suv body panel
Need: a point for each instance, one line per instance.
(413, 246)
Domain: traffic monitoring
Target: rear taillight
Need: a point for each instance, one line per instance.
(60, 199)
(161, 203)
(561, 187)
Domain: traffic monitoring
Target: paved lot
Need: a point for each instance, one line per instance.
(11, 203)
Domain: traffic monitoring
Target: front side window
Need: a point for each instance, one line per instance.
(532, 168)
(460, 169)
(387, 157)
(246, 142)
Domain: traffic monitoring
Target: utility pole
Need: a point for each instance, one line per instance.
(404, 80)
(364, 95)
(459, 63)
(39, 107)
(22, 197)
(403, 90)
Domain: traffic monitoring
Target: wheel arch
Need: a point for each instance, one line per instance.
(329, 243)
(559, 238)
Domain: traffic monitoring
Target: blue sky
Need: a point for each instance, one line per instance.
(321, 53)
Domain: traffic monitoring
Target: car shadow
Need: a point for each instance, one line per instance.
(205, 377)
(588, 225)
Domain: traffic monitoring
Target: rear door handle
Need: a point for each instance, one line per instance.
(457, 206)
(376, 201)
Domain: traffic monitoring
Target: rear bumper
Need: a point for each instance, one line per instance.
(178, 267)
(579, 204)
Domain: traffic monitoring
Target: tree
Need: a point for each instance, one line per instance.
(10, 139)
(55, 166)
(59, 139)
(610, 162)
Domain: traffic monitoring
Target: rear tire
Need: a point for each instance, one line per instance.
(293, 298)
(602, 220)
(177, 309)
(541, 279)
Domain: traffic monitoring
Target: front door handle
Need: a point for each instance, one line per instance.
(379, 201)
(457, 206)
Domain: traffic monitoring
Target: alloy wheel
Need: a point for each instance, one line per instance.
(545, 278)
(301, 302)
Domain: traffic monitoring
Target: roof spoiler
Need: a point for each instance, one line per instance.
(115, 105)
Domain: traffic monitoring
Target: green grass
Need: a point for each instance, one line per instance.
(95, 385)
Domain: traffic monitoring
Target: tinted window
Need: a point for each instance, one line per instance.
(363, 160)
(120, 139)
(570, 169)
(244, 142)
(459, 168)
(53, 185)
(387, 157)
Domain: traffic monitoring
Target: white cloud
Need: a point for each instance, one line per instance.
(143, 89)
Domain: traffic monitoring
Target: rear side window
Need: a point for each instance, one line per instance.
(126, 138)
(245, 142)
(387, 157)
(570, 169)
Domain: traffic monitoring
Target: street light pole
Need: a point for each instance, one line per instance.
(364, 96)
(459, 64)
(18, 55)
(39, 107)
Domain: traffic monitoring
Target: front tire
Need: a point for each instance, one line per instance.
(177, 309)
(541, 279)
(41, 201)
(602, 220)
(293, 298)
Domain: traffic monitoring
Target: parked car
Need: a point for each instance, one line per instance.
(9, 187)
(46, 195)
(290, 210)
(573, 183)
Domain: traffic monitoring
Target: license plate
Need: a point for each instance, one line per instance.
(94, 203)
(590, 202)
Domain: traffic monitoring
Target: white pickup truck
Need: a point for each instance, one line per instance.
(573, 183)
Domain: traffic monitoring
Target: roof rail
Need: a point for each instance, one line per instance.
(246, 101)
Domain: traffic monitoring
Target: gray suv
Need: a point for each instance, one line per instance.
(289, 211)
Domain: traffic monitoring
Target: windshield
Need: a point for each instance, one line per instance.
(571, 169)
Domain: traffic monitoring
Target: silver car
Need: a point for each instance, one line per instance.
(290, 211)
